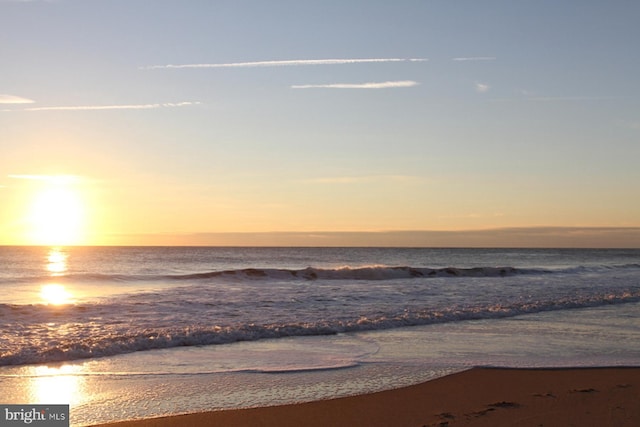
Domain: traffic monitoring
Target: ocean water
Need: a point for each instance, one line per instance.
(127, 332)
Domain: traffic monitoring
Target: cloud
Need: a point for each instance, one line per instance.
(340, 180)
(529, 96)
(30, 177)
(475, 58)
(629, 124)
(364, 178)
(287, 63)
(534, 237)
(482, 87)
(115, 107)
(472, 215)
(12, 99)
(370, 85)
(573, 98)
(51, 178)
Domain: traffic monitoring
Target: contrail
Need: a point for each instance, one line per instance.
(475, 58)
(370, 85)
(288, 63)
(112, 107)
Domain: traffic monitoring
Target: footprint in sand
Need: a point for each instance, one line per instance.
(584, 390)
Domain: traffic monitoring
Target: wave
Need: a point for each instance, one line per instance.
(350, 273)
(313, 273)
(309, 273)
(95, 343)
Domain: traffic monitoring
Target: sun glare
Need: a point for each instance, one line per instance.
(55, 294)
(57, 385)
(56, 214)
(56, 261)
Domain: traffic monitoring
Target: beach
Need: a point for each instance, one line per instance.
(312, 213)
(477, 397)
(339, 336)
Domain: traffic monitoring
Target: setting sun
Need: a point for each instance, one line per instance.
(56, 214)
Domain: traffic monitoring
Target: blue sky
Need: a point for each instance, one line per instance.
(190, 117)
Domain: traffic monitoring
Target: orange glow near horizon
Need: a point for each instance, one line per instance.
(72, 210)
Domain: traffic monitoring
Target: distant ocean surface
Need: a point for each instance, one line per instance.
(79, 303)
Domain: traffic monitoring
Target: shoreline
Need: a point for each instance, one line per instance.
(601, 396)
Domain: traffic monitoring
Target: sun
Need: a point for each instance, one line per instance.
(57, 213)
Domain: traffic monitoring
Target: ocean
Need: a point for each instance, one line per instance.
(130, 332)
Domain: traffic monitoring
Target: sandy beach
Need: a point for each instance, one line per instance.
(477, 397)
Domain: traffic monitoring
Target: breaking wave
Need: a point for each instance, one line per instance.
(313, 273)
(84, 339)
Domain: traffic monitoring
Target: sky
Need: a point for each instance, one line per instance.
(408, 123)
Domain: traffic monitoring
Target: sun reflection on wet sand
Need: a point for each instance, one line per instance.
(57, 385)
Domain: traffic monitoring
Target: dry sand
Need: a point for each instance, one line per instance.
(579, 397)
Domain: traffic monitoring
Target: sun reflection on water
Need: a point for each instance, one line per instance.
(57, 261)
(55, 293)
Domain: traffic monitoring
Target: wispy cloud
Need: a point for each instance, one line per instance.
(572, 98)
(287, 63)
(13, 99)
(362, 179)
(474, 58)
(531, 96)
(51, 178)
(114, 107)
(370, 85)
(629, 124)
(341, 179)
(482, 87)
(473, 215)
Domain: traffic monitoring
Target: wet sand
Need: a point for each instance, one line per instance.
(478, 397)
